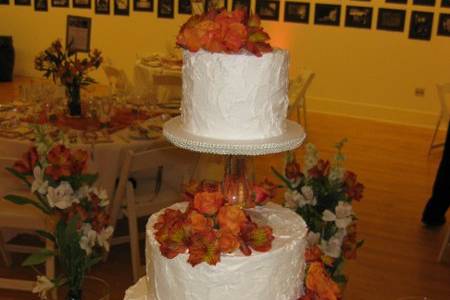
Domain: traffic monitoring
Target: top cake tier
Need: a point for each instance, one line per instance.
(235, 96)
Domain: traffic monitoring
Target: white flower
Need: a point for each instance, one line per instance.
(42, 286)
(103, 237)
(311, 157)
(39, 184)
(62, 197)
(291, 199)
(343, 216)
(332, 247)
(312, 238)
(82, 192)
(87, 241)
(307, 196)
(102, 195)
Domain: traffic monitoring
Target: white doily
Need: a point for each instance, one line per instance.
(293, 138)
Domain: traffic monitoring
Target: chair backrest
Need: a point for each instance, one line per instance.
(165, 85)
(443, 91)
(298, 88)
(8, 182)
(117, 79)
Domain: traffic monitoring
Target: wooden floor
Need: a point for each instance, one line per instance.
(399, 255)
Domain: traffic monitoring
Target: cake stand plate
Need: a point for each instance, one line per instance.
(175, 133)
(139, 291)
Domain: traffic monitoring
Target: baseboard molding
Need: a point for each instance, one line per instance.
(372, 112)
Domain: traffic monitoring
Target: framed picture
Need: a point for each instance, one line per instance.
(327, 14)
(245, 4)
(22, 2)
(421, 25)
(391, 19)
(397, 1)
(60, 3)
(444, 25)
(212, 4)
(268, 9)
(41, 5)
(81, 3)
(184, 7)
(78, 33)
(122, 7)
(297, 12)
(165, 9)
(358, 16)
(143, 5)
(424, 2)
(4, 2)
(445, 3)
(102, 7)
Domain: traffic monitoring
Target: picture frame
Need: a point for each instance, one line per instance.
(81, 4)
(327, 14)
(444, 25)
(425, 2)
(445, 3)
(421, 25)
(391, 19)
(296, 12)
(102, 7)
(122, 7)
(268, 9)
(245, 4)
(4, 2)
(60, 3)
(41, 5)
(358, 16)
(22, 2)
(184, 7)
(165, 9)
(78, 33)
(221, 3)
(397, 1)
(143, 5)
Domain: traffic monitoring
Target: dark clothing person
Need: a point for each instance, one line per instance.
(434, 212)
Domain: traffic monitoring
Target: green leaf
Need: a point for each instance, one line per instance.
(21, 176)
(46, 235)
(359, 244)
(19, 200)
(340, 279)
(93, 261)
(284, 179)
(38, 258)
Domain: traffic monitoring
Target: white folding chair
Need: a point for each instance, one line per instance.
(117, 80)
(443, 91)
(21, 219)
(165, 86)
(297, 91)
(161, 171)
(445, 245)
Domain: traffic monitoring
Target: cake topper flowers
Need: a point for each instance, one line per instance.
(221, 31)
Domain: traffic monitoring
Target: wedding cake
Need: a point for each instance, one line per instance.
(235, 96)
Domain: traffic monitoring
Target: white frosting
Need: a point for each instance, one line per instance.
(274, 275)
(235, 96)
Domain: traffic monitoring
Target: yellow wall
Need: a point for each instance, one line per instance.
(359, 72)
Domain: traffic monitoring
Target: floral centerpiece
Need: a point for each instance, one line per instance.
(77, 211)
(322, 195)
(210, 226)
(71, 71)
(221, 31)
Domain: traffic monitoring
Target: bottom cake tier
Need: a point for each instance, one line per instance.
(274, 275)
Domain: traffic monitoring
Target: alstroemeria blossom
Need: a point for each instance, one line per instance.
(88, 238)
(291, 199)
(103, 237)
(343, 216)
(61, 197)
(307, 196)
(42, 286)
(39, 184)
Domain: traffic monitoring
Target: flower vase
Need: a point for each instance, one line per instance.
(74, 294)
(236, 187)
(73, 100)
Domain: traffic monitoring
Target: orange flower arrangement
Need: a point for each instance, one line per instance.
(223, 31)
(209, 227)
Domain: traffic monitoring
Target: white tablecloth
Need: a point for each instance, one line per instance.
(139, 291)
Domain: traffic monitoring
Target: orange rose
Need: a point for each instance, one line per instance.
(59, 162)
(231, 218)
(313, 254)
(198, 222)
(227, 241)
(235, 37)
(208, 203)
(28, 162)
(318, 281)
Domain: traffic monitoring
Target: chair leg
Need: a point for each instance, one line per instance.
(3, 252)
(304, 115)
(434, 134)
(134, 233)
(444, 245)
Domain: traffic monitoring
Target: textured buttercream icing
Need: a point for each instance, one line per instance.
(274, 275)
(235, 96)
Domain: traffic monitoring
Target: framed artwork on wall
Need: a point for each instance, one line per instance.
(81, 3)
(78, 33)
(41, 5)
(397, 1)
(391, 19)
(4, 2)
(421, 25)
(122, 7)
(143, 5)
(444, 25)
(60, 3)
(245, 4)
(102, 7)
(424, 2)
(445, 3)
(210, 4)
(358, 16)
(165, 9)
(297, 12)
(327, 14)
(268, 9)
(22, 2)
(184, 7)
